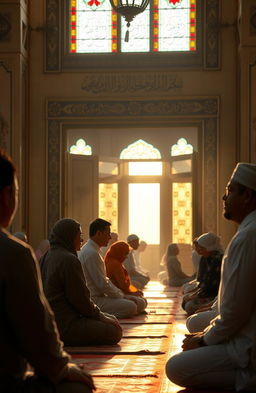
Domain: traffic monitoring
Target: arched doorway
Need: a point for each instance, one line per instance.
(138, 193)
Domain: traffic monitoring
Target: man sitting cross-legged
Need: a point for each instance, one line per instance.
(223, 356)
(106, 295)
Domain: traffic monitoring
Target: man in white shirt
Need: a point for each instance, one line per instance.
(223, 356)
(104, 293)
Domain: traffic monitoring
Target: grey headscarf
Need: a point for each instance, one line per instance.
(64, 233)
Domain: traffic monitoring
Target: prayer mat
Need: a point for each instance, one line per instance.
(164, 311)
(112, 366)
(157, 295)
(160, 301)
(126, 346)
(148, 319)
(154, 330)
(127, 384)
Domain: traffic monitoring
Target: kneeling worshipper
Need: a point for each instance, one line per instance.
(138, 279)
(79, 320)
(176, 277)
(208, 245)
(118, 274)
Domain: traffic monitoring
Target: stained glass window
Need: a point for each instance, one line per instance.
(108, 204)
(181, 147)
(165, 26)
(182, 212)
(140, 150)
(81, 148)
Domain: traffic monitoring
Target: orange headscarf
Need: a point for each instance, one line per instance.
(115, 270)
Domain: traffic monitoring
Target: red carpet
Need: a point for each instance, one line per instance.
(137, 363)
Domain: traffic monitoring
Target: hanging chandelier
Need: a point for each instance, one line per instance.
(129, 9)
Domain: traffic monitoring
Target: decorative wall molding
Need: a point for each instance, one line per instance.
(5, 27)
(212, 38)
(252, 109)
(159, 107)
(253, 20)
(133, 83)
(6, 106)
(57, 58)
(52, 42)
(200, 110)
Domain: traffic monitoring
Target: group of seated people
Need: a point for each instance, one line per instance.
(87, 294)
(82, 296)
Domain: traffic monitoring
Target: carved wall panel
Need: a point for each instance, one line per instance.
(248, 22)
(252, 109)
(5, 106)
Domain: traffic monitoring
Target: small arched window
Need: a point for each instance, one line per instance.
(140, 150)
(181, 147)
(81, 148)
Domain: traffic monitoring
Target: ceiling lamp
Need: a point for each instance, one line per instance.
(129, 9)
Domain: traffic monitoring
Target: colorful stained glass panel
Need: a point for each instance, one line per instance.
(166, 26)
(139, 33)
(108, 204)
(176, 25)
(92, 26)
(182, 213)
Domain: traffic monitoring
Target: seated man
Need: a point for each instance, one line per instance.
(138, 279)
(105, 295)
(223, 356)
(28, 332)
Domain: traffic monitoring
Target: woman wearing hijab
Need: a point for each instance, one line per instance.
(79, 320)
(116, 272)
(208, 277)
(176, 277)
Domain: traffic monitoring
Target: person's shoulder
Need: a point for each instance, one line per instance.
(10, 246)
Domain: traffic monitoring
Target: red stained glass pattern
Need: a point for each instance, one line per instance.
(171, 29)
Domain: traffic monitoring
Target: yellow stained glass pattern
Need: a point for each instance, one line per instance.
(108, 204)
(81, 148)
(182, 213)
(140, 150)
(181, 147)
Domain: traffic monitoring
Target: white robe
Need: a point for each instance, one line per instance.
(236, 322)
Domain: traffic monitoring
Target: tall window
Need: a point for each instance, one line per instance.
(165, 26)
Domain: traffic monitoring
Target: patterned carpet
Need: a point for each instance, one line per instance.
(137, 363)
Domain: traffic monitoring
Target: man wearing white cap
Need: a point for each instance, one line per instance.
(223, 356)
(138, 279)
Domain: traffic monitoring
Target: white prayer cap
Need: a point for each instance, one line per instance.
(132, 237)
(245, 174)
(210, 241)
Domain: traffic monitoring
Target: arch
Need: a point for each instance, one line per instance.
(81, 148)
(181, 147)
(140, 150)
